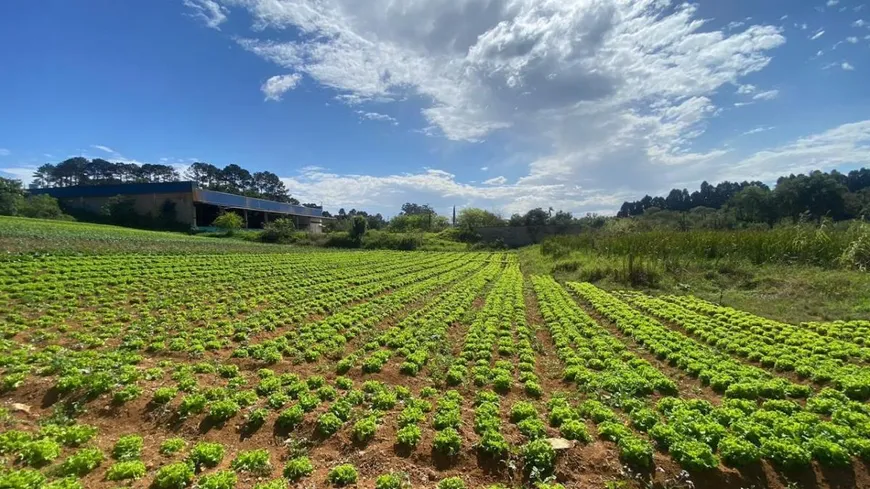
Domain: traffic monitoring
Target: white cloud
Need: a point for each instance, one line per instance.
(209, 12)
(23, 173)
(845, 145)
(831, 3)
(5, 152)
(852, 39)
(375, 116)
(275, 86)
(105, 149)
(766, 95)
(484, 168)
(859, 23)
(500, 180)
(746, 89)
(817, 35)
(757, 130)
(606, 92)
(846, 66)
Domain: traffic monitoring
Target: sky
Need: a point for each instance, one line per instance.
(501, 104)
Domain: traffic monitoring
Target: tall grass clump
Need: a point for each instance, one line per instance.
(821, 245)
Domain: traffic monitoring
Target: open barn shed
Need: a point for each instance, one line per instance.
(194, 207)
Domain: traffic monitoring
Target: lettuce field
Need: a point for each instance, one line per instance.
(382, 369)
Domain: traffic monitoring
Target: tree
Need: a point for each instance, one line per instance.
(561, 220)
(267, 185)
(535, 218)
(204, 175)
(754, 204)
(234, 179)
(229, 222)
(376, 221)
(11, 196)
(473, 218)
(410, 209)
(516, 220)
(358, 228)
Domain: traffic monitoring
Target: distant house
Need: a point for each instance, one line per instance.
(194, 207)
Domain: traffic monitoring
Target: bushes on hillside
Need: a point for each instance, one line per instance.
(280, 230)
(14, 201)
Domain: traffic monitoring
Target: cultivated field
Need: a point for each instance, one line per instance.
(188, 368)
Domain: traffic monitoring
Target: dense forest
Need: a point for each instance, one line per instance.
(818, 195)
(231, 179)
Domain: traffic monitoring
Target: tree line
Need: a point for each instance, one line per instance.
(817, 195)
(231, 179)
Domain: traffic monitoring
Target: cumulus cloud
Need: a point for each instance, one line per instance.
(612, 95)
(859, 23)
(607, 91)
(846, 66)
(209, 12)
(276, 86)
(499, 180)
(376, 116)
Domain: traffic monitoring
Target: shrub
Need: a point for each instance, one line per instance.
(343, 475)
(228, 222)
(280, 230)
(297, 468)
(125, 470)
(128, 447)
(255, 461)
(451, 483)
(173, 476)
(223, 479)
(539, 459)
(409, 435)
(448, 442)
(82, 462)
(206, 454)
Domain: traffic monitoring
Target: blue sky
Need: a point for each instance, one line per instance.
(502, 104)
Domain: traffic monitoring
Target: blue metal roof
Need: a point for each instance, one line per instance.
(250, 203)
(212, 197)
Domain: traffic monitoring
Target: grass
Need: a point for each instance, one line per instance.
(25, 235)
(790, 293)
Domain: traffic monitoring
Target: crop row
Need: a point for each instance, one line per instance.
(810, 356)
(829, 428)
(802, 341)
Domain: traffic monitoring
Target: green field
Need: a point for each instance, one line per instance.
(144, 359)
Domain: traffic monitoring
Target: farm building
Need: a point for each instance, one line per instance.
(194, 206)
